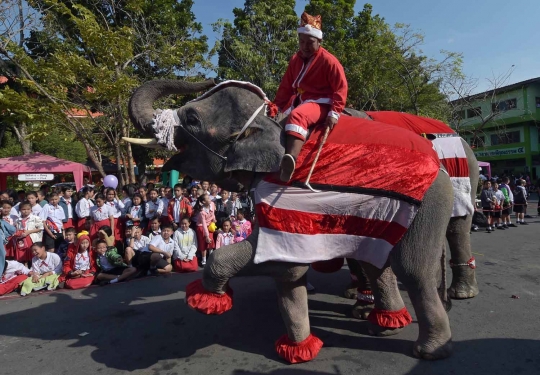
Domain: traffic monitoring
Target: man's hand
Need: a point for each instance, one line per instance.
(330, 122)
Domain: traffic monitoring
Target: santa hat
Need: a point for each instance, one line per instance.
(310, 25)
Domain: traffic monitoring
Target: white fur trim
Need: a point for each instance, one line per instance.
(333, 114)
(311, 31)
(297, 129)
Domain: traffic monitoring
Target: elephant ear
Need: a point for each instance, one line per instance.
(260, 149)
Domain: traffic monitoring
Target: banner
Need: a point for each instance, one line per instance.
(500, 152)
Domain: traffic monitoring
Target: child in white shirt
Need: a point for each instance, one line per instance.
(46, 269)
(184, 260)
(14, 274)
(163, 247)
(52, 216)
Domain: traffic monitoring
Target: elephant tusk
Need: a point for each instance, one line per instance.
(145, 142)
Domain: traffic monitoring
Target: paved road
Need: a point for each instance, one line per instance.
(144, 327)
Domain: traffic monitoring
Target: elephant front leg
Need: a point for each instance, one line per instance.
(298, 345)
(464, 283)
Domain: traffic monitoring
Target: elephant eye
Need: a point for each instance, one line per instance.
(192, 119)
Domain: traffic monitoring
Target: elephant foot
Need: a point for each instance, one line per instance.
(375, 330)
(464, 283)
(361, 310)
(433, 350)
(207, 302)
(298, 352)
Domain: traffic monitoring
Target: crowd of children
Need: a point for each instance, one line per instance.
(61, 238)
(499, 200)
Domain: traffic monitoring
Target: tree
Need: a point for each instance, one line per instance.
(87, 57)
(258, 45)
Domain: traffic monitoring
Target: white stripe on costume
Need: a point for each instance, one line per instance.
(273, 245)
(332, 203)
(297, 129)
(449, 147)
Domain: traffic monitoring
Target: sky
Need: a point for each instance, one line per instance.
(495, 36)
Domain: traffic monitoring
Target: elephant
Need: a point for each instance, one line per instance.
(464, 284)
(225, 133)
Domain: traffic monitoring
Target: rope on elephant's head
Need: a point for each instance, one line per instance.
(164, 123)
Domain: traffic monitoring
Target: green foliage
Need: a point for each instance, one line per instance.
(9, 146)
(258, 46)
(60, 144)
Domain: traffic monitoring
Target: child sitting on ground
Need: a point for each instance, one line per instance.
(79, 265)
(68, 241)
(241, 226)
(110, 264)
(137, 244)
(162, 248)
(185, 259)
(46, 269)
(15, 273)
(225, 237)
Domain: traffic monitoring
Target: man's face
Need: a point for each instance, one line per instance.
(308, 45)
(205, 185)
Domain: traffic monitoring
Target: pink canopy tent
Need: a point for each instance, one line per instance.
(39, 163)
(485, 164)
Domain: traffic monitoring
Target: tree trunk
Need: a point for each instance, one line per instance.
(121, 181)
(22, 134)
(131, 165)
(93, 157)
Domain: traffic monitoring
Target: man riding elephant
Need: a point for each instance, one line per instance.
(313, 90)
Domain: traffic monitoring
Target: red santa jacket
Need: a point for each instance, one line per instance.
(186, 210)
(69, 261)
(320, 80)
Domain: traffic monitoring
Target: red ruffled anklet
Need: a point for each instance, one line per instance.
(297, 352)
(207, 302)
(390, 319)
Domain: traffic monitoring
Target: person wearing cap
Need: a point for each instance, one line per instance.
(313, 90)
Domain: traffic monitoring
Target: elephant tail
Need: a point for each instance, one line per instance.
(445, 299)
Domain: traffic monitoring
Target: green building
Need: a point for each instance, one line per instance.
(502, 127)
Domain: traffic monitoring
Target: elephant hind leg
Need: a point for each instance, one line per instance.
(416, 263)
(298, 345)
(464, 283)
(388, 316)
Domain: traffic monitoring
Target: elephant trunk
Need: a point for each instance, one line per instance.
(140, 105)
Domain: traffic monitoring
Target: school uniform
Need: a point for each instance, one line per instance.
(75, 261)
(111, 262)
(204, 218)
(153, 209)
(178, 209)
(225, 239)
(10, 219)
(82, 209)
(184, 260)
(152, 234)
(100, 217)
(137, 215)
(36, 209)
(51, 263)
(165, 214)
(53, 218)
(15, 274)
(68, 205)
(142, 253)
(169, 247)
(117, 207)
(23, 246)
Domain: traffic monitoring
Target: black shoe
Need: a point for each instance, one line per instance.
(505, 226)
(524, 223)
(104, 282)
(153, 272)
(500, 227)
(512, 225)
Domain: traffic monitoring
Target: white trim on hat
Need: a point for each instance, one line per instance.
(310, 30)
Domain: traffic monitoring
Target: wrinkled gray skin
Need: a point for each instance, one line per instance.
(464, 283)
(415, 260)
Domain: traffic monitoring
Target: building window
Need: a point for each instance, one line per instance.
(506, 138)
(504, 105)
(537, 102)
(477, 142)
(460, 115)
(473, 112)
